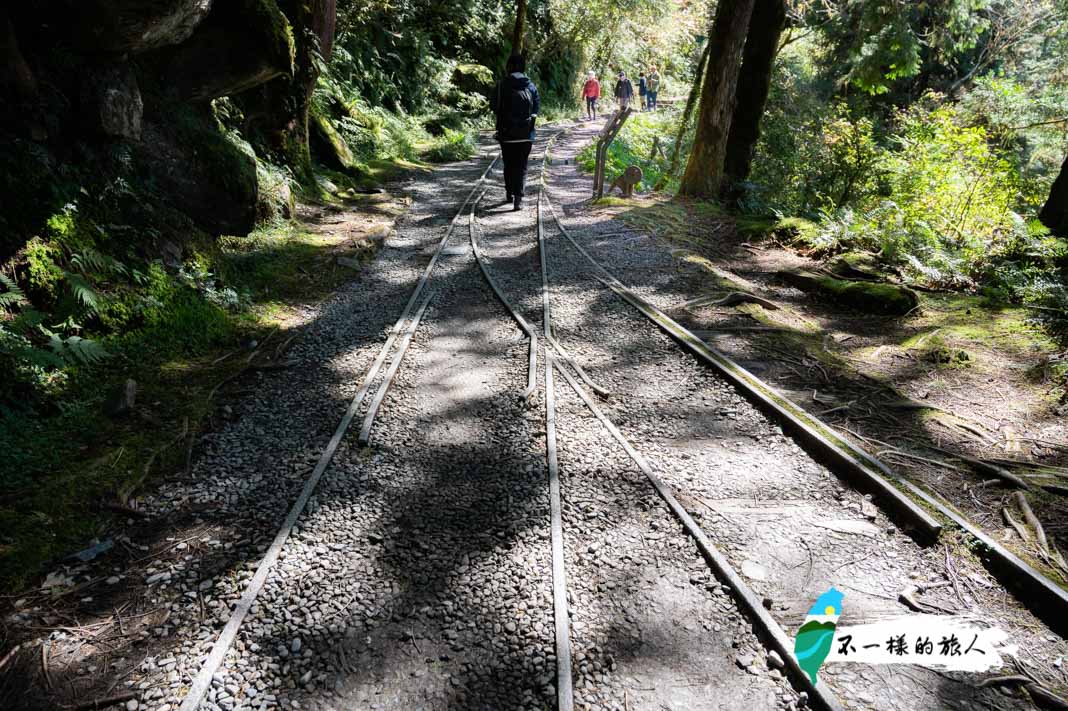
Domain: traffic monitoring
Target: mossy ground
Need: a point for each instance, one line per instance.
(67, 462)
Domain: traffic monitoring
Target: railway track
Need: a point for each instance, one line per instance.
(627, 526)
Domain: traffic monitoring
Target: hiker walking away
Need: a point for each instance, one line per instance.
(515, 103)
(653, 88)
(624, 91)
(641, 89)
(591, 91)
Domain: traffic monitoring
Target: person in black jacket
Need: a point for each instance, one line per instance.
(515, 102)
(624, 91)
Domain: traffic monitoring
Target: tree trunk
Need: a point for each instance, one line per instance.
(1054, 213)
(14, 71)
(704, 171)
(691, 101)
(287, 101)
(520, 26)
(758, 60)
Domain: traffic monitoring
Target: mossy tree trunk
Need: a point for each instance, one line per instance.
(758, 60)
(287, 101)
(520, 26)
(704, 171)
(684, 123)
(1054, 214)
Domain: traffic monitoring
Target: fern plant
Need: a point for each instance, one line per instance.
(23, 330)
(13, 297)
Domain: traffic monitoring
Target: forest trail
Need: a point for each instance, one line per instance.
(420, 573)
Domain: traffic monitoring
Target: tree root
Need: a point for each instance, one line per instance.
(1029, 516)
(1022, 532)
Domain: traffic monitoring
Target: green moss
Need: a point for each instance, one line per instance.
(330, 147)
(612, 201)
(280, 43)
(225, 160)
(867, 296)
(43, 274)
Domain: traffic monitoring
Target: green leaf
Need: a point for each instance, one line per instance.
(13, 296)
(83, 291)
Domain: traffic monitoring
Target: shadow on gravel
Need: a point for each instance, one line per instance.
(218, 522)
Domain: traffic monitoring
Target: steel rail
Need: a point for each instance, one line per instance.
(369, 418)
(198, 689)
(532, 364)
(564, 355)
(565, 700)
(848, 460)
(1035, 590)
(749, 600)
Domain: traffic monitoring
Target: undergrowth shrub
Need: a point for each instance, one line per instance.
(453, 146)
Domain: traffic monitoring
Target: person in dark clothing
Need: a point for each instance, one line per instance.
(624, 91)
(515, 103)
(641, 89)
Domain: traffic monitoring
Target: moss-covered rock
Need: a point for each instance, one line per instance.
(858, 265)
(132, 26)
(241, 44)
(870, 297)
(199, 171)
(327, 144)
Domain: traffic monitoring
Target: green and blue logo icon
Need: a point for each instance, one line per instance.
(816, 636)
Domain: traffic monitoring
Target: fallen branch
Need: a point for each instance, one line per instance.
(740, 297)
(1033, 522)
(1046, 699)
(1016, 525)
(130, 487)
(984, 467)
(11, 653)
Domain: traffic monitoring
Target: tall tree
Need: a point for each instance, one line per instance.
(684, 123)
(704, 171)
(758, 60)
(1054, 213)
(520, 26)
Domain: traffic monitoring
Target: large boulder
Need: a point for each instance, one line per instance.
(200, 173)
(242, 44)
(111, 102)
(131, 26)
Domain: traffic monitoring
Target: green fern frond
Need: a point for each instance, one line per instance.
(90, 261)
(13, 296)
(85, 351)
(83, 291)
(74, 349)
(39, 358)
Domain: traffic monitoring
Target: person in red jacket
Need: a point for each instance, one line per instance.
(591, 91)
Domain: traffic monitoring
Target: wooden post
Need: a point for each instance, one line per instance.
(608, 134)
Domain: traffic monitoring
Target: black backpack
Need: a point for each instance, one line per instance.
(515, 109)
